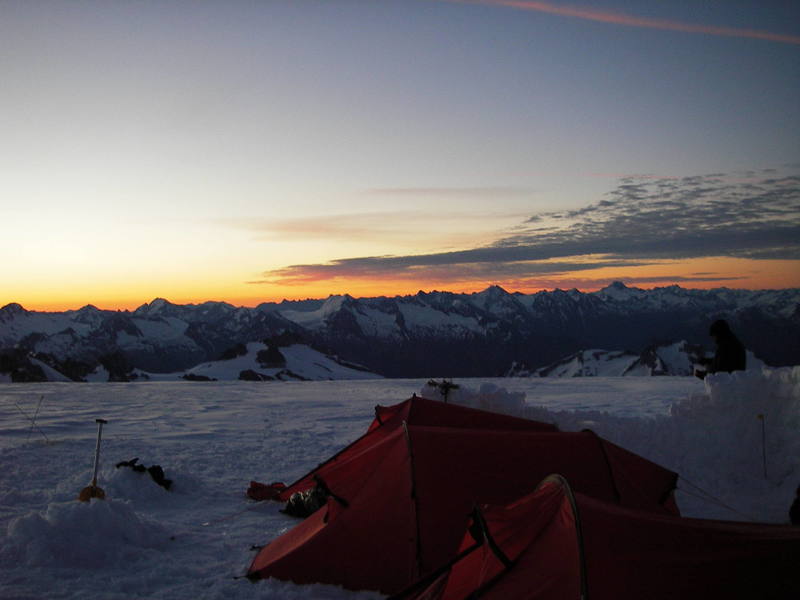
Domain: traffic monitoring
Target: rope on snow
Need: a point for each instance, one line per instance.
(708, 497)
(33, 421)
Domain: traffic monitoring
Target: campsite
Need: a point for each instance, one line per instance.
(199, 538)
(400, 300)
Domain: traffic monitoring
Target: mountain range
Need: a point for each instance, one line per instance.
(439, 334)
(677, 358)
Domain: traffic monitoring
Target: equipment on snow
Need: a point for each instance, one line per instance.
(93, 490)
(444, 387)
(156, 472)
(304, 504)
(261, 491)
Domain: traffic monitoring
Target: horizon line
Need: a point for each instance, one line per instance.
(251, 304)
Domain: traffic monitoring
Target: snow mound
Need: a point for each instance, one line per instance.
(81, 535)
(488, 397)
(755, 417)
(738, 437)
(775, 391)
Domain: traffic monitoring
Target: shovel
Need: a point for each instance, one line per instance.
(93, 490)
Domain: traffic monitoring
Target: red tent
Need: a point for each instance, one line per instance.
(553, 545)
(414, 411)
(401, 497)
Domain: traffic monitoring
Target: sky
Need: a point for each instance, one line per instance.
(251, 151)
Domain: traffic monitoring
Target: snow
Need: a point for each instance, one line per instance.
(50, 372)
(421, 317)
(212, 438)
(301, 360)
(675, 358)
(27, 323)
(99, 375)
(169, 328)
(59, 344)
(591, 363)
(315, 319)
(619, 292)
(487, 397)
(377, 323)
(98, 535)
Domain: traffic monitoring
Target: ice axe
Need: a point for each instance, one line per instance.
(93, 490)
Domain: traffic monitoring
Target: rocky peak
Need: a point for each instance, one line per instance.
(618, 291)
(159, 307)
(11, 311)
(495, 291)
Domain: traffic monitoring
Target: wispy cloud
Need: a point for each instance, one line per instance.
(596, 283)
(438, 269)
(686, 218)
(619, 18)
(367, 226)
(336, 227)
(639, 223)
(453, 192)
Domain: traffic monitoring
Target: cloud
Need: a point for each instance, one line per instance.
(601, 282)
(687, 218)
(638, 223)
(453, 192)
(366, 226)
(343, 226)
(440, 269)
(628, 20)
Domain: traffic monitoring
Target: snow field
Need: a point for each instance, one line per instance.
(213, 438)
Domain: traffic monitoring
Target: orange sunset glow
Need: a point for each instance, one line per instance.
(727, 272)
(257, 152)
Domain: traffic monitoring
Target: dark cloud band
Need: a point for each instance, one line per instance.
(754, 216)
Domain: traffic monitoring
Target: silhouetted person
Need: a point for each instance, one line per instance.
(730, 353)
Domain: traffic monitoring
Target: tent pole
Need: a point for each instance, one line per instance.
(418, 544)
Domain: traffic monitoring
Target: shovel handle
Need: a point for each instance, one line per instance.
(100, 423)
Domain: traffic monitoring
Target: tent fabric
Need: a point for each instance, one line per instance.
(561, 546)
(456, 469)
(410, 490)
(368, 545)
(414, 411)
(534, 538)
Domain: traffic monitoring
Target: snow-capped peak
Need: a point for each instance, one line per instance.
(12, 310)
(620, 292)
(494, 291)
(154, 308)
(316, 319)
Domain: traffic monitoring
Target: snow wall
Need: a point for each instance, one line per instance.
(740, 438)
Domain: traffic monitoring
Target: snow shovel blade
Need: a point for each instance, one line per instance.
(91, 491)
